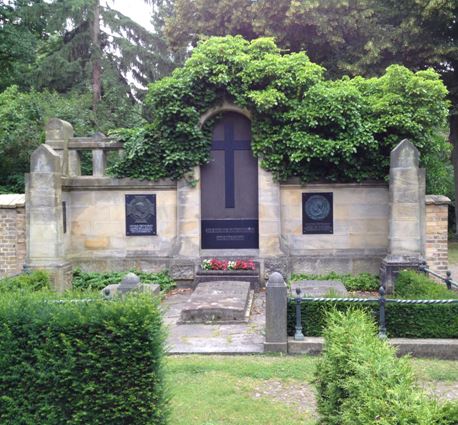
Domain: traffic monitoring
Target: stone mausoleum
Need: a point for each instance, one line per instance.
(231, 208)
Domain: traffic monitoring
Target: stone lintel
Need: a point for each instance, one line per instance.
(109, 183)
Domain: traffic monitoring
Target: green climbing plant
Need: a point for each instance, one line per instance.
(303, 124)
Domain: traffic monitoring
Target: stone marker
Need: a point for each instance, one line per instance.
(318, 288)
(407, 214)
(276, 304)
(131, 282)
(218, 301)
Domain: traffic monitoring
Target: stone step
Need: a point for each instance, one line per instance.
(218, 302)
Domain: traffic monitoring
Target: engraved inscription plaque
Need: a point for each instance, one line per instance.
(317, 213)
(217, 234)
(141, 215)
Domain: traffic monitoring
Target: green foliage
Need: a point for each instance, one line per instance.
(93, 362)
(302, 124)
(413, 285)
(23, 116)
(93, 281)
(402, 320)
(360, 380)
(359, 282)
(27, 282)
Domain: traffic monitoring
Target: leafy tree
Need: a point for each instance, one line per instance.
(21, 27)
(303, 124)
(23, 116)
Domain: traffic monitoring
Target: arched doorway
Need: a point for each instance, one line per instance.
(229, 187)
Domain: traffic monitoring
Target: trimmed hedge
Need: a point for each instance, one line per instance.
(97, 362)
(402, 320)
(360, 380)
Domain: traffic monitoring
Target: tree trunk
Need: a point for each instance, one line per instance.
(454, 141)
(96, 58)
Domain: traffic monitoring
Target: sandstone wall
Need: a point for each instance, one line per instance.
(360, 238)
(96, 230)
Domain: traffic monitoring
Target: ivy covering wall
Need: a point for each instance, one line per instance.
(303, 124)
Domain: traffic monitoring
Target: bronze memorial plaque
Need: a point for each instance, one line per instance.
(317, 213)
(141, 215)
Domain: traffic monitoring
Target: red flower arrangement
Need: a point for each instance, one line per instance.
(215, 264)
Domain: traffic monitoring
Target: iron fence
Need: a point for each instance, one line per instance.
(381, 301)
(451, 284)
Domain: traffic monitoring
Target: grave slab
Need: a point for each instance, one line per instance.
(218, 302)
(319, 288)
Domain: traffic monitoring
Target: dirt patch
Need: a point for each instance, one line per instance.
(443, 391)
(299, 396)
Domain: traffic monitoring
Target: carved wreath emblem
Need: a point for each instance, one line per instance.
(317, 207)
(141, 209)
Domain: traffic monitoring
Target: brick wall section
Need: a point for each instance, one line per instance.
(436, 250)
(12, 234)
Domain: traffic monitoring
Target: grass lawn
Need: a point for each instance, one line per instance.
(267, 390)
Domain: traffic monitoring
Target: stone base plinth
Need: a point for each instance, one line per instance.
(392, 265)
(251, 276)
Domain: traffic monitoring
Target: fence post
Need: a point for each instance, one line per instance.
(423, 267)
(298, 336)
(382, 323)
(276, 315)
(448, 280)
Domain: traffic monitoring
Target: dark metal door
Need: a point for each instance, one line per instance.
(229, 187)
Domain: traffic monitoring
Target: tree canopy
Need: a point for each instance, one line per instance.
(303, 124)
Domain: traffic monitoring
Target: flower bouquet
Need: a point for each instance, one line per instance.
(215, 264)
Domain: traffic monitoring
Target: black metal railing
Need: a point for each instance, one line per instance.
(381, 301)
(451, 284)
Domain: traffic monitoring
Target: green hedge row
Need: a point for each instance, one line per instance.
(360, 380)
(402, 320)
(97, 362)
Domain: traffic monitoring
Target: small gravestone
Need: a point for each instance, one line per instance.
(319, 288)
(218, 302)
(131, 282)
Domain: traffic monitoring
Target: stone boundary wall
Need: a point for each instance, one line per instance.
(12, 234)
(436, 248)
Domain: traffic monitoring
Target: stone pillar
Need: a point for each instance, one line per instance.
(44, 217)
(99, 162)
(58, 133)
(187, 247)
(271, 248)
(407, 213)
(74, 163)
(436, 244)
(276, 315)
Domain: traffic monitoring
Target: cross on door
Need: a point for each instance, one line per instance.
(229, 145)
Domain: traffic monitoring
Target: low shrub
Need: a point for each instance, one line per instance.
(97, 362)
(360, 380)
(402, 320)
(413, 285)
(93, 281)
(27, 282)
(359, 282)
